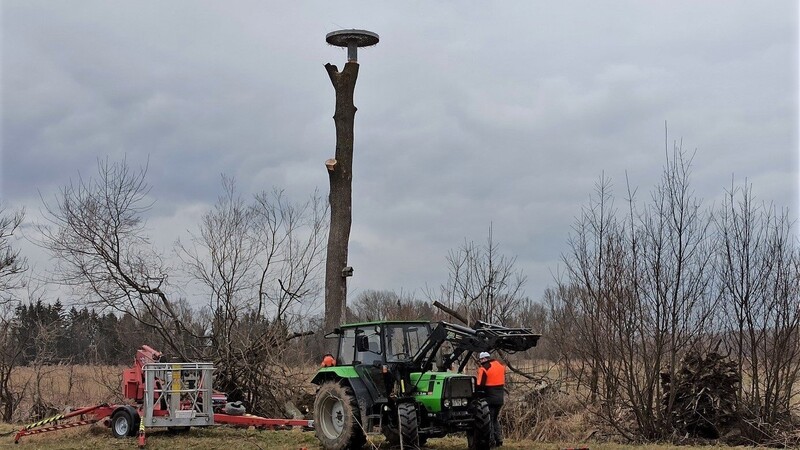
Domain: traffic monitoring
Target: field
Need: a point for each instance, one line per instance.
(99, 437)
(51, 389)
(61, 386)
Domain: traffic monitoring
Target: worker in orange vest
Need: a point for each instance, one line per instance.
(328, 360)
(491, 381)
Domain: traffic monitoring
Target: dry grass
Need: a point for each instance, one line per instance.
(62, 386)
(556, 423)
(98, 437)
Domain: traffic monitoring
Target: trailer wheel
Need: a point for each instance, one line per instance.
(480, 438)
(122, 424)
(336, 422)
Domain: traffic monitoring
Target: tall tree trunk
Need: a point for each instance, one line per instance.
(340, 173)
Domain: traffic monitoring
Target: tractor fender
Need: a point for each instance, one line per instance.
(345, 378)
(334, 373)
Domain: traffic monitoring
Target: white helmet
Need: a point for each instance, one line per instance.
(483, 355)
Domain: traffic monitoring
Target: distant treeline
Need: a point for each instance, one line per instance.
(53, 334)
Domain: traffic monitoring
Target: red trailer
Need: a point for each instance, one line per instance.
(172, 395)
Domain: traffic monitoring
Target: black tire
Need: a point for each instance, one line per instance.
(122, 424)
(391, 434)
(336, 418)
(234, 409)
(393, 439)
(409, 427)
(480, 438)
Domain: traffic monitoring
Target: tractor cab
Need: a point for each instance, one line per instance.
(377, 343)
(369, 353)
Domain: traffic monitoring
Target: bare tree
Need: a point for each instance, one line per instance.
(11, 350)
(674, 270)
(19, 348)
(759, 290)
(483, 282)
(290, 237)
(388, 305)
(12, 264)
(593, 272)
(340, 174)
(13, 267)
(260, 264)
(222, 258)
(265, 256)
(634, 296)
(95, 229)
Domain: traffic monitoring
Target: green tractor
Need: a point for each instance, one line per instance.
(396, 377)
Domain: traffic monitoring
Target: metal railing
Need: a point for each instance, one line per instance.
(178, 394)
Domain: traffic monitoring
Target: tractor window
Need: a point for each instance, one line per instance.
(404, 340)
(374, 353)
(347, 344)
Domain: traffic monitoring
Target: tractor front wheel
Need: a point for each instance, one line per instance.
(336, 415)
(480, 437)
(409, 428)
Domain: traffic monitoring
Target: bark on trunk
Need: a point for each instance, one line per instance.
(340, 174)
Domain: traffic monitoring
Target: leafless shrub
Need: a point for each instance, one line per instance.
(260, 264)
(483, 284)
(634, 297)
(759, 287)
(106, 383)
(641, 288)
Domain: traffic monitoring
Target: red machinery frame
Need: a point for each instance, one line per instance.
(94, 414)
(133, 389)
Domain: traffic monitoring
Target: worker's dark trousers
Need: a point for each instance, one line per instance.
(497, 432)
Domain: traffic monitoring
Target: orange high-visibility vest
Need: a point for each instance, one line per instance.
(328, 361)
(495, 375)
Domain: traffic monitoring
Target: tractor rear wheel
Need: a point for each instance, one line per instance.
(409, 428)
(336, 418)
(480, 437)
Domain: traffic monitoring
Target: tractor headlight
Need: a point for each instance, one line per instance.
(447, 403)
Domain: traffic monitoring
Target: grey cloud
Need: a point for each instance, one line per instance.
(469, 114)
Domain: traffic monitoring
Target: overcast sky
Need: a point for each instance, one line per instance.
(469, 113)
